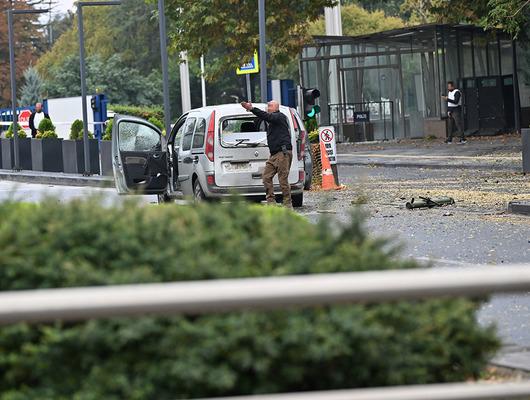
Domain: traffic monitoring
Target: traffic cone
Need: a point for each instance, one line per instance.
(328, 180)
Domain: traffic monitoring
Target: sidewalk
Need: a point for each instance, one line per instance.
(56, 178)
(498, 152)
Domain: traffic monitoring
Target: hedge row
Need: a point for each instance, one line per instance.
(83, 243)
(141, 112)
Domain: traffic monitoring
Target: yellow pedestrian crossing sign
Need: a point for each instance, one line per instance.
(251, 67)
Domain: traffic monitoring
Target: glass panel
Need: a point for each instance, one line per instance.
(451, 56)
(414, 106)
(466, 55)
(506, 57)
(200, 131)
(479, 47)
(188, 134)
(493, 57)
(134, 136)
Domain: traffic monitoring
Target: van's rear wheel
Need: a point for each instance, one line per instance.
(298, 200)
(198, 194)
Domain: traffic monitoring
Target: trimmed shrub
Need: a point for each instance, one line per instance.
(46, 125)
(46, 135)
(21, 132)
(108, 130)
(329, 347)
(76, 129)
(313, 136)
(156, 122)
(141, 112)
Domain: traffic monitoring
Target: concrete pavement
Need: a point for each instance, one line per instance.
(488, 153)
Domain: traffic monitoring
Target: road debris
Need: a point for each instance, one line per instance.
(427, 202)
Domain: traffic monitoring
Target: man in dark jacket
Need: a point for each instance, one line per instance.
(36, 117)
(281, 149)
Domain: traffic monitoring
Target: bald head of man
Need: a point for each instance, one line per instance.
(273, 106)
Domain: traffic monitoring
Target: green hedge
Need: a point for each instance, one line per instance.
(82, 243)
(141, 112)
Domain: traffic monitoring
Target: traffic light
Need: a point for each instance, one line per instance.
(309, 96)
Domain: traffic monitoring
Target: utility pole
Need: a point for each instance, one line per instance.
(262, 51)
(185, 93)
(203, 83)
(333, 20)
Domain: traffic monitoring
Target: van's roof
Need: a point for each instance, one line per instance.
(234, 108)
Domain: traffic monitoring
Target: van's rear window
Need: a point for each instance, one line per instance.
(243, 132)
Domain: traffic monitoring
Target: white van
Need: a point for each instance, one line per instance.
(211, 152)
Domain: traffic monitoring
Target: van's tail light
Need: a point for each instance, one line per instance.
(301, 137)
(210, 138)
(210, 179)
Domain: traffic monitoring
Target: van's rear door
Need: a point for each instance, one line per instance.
(241, 152)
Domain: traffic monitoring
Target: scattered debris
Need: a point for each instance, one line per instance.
(427, 202)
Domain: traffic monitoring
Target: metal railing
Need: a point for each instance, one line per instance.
(278, 292)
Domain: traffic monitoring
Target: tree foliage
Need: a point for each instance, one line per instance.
(199, 27)
(31, 91)
(82, 243)
(113, 77)
(358, 21)
(29, 45)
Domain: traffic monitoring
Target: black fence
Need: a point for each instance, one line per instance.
(363, 122)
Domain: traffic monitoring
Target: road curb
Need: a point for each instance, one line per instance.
(488, 167)
(521, 207)
(56, 179)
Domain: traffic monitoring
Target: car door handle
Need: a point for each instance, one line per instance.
(195, 159)
(189, 160)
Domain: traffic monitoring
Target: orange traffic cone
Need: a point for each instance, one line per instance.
(328, 181)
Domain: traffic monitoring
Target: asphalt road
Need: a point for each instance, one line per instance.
(475, 230)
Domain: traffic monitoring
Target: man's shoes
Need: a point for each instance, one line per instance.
(462, 141)
(448, 141)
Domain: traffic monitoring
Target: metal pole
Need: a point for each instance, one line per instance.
(16, 164)
(163, 56)
(516, 99)
(262, 51)
(86, 149)
(185, 93)
(203, 83)
(249, 94)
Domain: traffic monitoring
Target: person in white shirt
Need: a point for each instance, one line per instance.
(36, 117)
(454, 112)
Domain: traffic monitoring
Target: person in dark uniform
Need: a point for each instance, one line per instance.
(281, 149)
(454, 112)
(36, 117)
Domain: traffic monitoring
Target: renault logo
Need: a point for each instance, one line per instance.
(256, 153)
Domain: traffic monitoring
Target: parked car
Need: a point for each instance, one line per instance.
(211, 152)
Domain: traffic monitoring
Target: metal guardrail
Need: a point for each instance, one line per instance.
(278, 292)
(450, 391)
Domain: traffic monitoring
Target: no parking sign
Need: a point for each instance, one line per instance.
(326, 135)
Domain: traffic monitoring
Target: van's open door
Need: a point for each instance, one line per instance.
(138, 159)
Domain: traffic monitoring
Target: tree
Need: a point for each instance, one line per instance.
(199, 27)
(512, 16)
(119, 82)
(29, 44)
(358, 21)
(32, 89)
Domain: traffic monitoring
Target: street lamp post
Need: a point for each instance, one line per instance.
(165, 73)
(262, 51)
(10, 14)
(80, 6)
